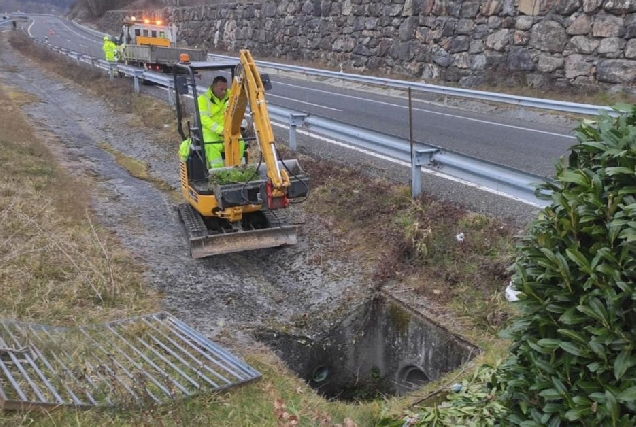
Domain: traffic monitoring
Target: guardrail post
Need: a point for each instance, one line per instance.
(295, 119)
(138, 74)
(171, 101)
(419, 159)
(111, 73)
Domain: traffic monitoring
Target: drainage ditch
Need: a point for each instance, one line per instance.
(380, 349)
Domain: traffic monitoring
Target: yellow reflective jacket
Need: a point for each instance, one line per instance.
(184, 150)
(109, 50)
(212, 110)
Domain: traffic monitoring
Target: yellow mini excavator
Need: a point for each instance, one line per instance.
(219, 216)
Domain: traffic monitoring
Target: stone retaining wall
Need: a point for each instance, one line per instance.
(540, 42)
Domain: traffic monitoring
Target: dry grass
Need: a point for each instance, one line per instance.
(402, 241)
(416, 242)
(56, 264)
(142, 110)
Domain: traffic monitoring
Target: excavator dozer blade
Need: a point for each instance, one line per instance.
(204, 244)
(217, 244)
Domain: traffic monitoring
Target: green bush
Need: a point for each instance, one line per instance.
(573, 361)
(474, 404)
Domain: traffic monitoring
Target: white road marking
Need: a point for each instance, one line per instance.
(78, 34)
(427, 111)
(399, 162)
(29, 29)
(302, 102)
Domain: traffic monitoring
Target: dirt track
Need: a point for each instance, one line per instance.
(222, 297)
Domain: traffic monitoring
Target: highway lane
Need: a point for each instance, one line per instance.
(531, 147)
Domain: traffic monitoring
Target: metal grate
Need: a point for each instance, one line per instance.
(149, 359)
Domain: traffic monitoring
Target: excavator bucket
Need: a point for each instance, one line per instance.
(204, 243)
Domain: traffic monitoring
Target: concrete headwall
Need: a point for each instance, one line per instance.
(380, 345)
(543, 42)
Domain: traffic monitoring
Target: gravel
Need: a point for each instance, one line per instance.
(223, 297)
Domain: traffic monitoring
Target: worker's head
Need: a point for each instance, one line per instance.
(106, 38)
(219, 87)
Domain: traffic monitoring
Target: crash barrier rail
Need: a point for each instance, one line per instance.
(490, 176)
(89, 29)
(17, 16)
(520, 101)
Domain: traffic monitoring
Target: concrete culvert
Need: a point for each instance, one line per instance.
(380, 349)
(410, 378)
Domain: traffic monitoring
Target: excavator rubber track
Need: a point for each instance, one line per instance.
(204, 242)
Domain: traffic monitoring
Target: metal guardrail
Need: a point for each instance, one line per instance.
(491, 176)
(520, 101)
(89, 29)
(496, 177)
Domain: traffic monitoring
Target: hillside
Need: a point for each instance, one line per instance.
(35, 6)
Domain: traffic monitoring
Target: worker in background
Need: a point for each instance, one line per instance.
(212, 106)
(109, 49)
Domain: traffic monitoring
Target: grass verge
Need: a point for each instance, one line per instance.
(58, 266)
(453, 259)
(446, 254)
(142, 110)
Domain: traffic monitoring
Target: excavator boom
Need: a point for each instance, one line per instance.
(248, 87)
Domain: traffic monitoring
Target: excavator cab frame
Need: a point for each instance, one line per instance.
(234, 217)
(184, 80)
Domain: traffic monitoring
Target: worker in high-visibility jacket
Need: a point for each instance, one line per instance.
(212, 106)
(109, 49)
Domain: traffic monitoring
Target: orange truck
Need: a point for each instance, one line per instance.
(152, 44)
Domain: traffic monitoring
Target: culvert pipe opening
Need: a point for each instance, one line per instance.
(379, 349)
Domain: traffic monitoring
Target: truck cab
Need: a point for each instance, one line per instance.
(152, 45)
(146, 32)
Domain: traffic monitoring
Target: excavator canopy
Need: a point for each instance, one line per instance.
(225, 218)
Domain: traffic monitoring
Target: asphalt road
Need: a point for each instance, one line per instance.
(528, 146)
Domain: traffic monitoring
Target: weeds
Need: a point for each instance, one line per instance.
(235, 175)
(136, 168)
(446, 253)
(56, 265)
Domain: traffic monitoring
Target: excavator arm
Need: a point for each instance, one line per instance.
(247, 87)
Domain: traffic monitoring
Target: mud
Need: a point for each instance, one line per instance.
(223, 297)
